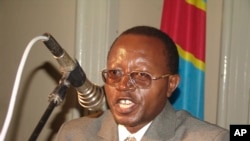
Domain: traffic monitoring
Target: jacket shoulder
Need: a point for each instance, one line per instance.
(191, 127)
(81, 128)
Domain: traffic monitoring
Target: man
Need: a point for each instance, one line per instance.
(141, 75)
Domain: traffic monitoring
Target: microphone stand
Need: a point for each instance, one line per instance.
(71, 76)
(55, 98)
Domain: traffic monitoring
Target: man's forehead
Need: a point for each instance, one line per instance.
(141, 49)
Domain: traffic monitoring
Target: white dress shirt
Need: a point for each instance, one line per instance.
(124, 133)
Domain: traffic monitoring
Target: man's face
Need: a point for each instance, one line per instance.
(135, 107)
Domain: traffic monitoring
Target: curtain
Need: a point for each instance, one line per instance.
(185, 22)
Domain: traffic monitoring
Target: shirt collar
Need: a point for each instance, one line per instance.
(124, 133)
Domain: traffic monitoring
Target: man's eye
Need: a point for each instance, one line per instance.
(141, 75)
(114, 73)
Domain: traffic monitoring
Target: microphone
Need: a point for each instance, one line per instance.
(90, 96)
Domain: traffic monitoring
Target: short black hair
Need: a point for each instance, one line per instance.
(172, 59)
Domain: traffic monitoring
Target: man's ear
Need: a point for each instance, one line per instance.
(173, 83)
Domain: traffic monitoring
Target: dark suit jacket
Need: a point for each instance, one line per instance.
(169, 125)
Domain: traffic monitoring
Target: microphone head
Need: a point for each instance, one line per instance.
(92, 97)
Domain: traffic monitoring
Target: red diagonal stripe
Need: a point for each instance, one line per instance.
(186, 25)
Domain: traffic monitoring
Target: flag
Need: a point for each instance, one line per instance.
(185, 22)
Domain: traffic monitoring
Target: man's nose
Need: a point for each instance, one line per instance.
(126, 83)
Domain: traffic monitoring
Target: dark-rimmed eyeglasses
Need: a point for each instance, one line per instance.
(139, 79)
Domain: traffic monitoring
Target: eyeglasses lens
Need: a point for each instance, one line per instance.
(139, 79)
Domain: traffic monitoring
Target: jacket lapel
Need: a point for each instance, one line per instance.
(108, 130)
(163, 127)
